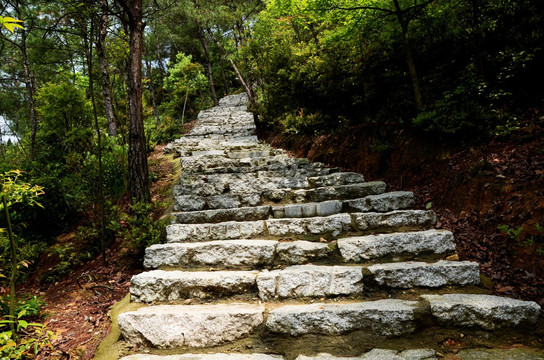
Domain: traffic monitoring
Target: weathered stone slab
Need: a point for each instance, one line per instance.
(189, 203)
(225, 253)
(343, 192)
(401, 219)
(412, 274)
(520, 353)
(208, 153)
(158, 285)
(486, 311)
(379, 354)
(223, 201)
(334, 225)
(207, 232)
(341, 178)
(170, 326)
(382, 203)
(218, 356)
(252, 154)
(382, 317)
(220, 215)
(301, 252)
(310, 281)
(325, 208)
(412, 243)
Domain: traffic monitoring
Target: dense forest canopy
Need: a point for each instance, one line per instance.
(88, 87)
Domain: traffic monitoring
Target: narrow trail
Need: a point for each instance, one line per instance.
(270, 257)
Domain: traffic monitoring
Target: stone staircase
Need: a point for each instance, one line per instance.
(270, 256)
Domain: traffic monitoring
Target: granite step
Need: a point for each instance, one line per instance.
(172, 326)
(374, 354)
(313, 228)
(229, 200)
(234, 254)
(207, 185)
(298, 281)
(482, 311)
(216, 356)
(391, 317)
(370, 247)
(378, 203)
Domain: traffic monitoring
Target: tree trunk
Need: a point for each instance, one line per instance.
(245, 85)
(225, 81)
(184, 105)
(152, 90)
(30, 84)
(138, 172)
(106, 83)
(100, 194)
(208, 62)
(409, 58)
(14, 261)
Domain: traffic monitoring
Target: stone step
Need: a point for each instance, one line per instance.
(482, 311)
(233, 254)
(217, 356)
(309, 228)
(374, 354)
(185, 145)
(363, 248)
(254, 154)
(158, 285)
(171, 326)
(226, 254)
(389, 317)
(383, 203)
(195, 164)
(215, 164)
(208, 185)
(298, 281)
(221, 215)
(420, 274)
(233, 200)
(310, 281)
(379, 354)
(204, 131)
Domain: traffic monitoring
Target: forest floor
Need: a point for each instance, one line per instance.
(473, 190)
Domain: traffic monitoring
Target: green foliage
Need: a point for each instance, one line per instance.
(19, 196)
(187, 81)
(30, 306)
(30, 336)
(524, 238)
(470, 109)
(346, 60)
(18, 192)
(139, 230)
(168, 131)
(70, 256)
(300, 123)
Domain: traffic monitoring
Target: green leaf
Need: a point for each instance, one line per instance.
(11, 20)
(22, 324)
(8, 345)
(21, 314)
(429, 205)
